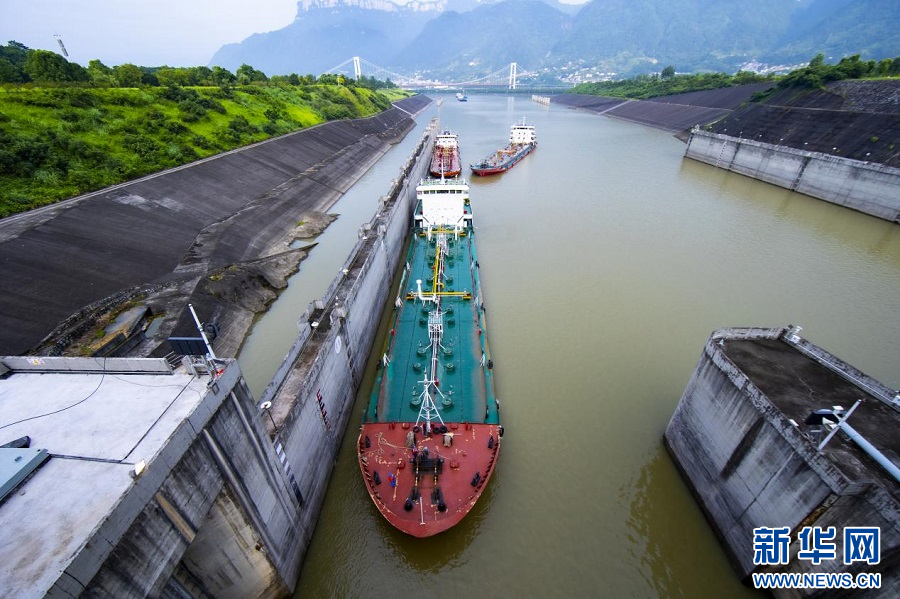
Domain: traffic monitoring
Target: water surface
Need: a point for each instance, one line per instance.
(607, 260)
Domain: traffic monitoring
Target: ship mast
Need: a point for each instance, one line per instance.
(428, 410)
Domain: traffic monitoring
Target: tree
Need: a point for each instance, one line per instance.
(222, 77)
(128, 75)
(10, 73)
(173, 76)
(745, 77)
(44, 66)
(101, 74)
(201, 75)
(668, 72)
(894, 69)
(13, 54)
(246, 74)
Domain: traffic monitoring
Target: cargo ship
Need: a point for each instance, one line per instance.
(445, 160)
(522, 141)
(430, 434)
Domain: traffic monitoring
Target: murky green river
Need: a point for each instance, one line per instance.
(607, 260)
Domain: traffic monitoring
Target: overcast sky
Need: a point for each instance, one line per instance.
(143, 32)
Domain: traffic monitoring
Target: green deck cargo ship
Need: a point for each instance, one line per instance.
(431, 432)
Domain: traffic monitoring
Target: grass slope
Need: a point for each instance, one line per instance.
(56, 143)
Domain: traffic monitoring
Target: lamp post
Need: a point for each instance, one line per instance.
(267, 408)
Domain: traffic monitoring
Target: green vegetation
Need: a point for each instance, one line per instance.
(667, 83)
(816, 75)
(67, 130)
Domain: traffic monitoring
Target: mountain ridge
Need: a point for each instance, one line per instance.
(462, 38)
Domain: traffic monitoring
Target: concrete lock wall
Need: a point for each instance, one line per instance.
(748, 466)
(728, 442)
(866, 187)
(332, 348)
(141, 543)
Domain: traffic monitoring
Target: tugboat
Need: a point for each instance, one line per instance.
(522, 141)
(430, 435)
(445, 161)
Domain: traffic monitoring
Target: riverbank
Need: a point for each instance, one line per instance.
(677, 113)
(837, 144)
(214, 233)
(855, 119)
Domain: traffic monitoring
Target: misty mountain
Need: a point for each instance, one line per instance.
(629, 35)
(326, 33)
(839, 28)
(489, 38)
(468, 38)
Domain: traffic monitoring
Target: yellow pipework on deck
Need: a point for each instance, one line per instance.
(462, 294)
(460, 232)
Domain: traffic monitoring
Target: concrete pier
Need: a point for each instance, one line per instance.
(160, 480)
(866, 187)
(740, 439)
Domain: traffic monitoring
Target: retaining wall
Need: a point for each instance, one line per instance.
(750, 466)
(180, 224)
(329, 356)
(215, 462)
(866, 187)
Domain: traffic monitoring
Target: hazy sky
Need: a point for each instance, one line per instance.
(143, 32)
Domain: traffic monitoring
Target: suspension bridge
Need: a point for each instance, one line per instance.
(510, 76)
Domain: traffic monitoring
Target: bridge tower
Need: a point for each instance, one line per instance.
(512, 75)
(357, 68)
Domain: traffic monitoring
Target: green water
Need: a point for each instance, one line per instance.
(606, 261)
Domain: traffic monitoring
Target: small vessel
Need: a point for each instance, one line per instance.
(462, 97)
(445, 161)
(522, 141)
(430, 434)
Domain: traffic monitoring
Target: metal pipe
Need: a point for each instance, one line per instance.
(870, 449)
(863, 444)
(209, 348)
(839, 421)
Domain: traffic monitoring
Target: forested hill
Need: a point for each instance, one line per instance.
(59, 142)
(462, 40)
(849, 109)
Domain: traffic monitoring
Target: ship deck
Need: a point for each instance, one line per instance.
(464, 382)
(445, 162)
(431, 432)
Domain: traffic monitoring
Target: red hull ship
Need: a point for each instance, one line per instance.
(430, 436)
(522, 142)
(445, 161)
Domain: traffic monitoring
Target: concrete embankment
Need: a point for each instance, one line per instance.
(674, 113)
(867, 187)
(165, 234)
